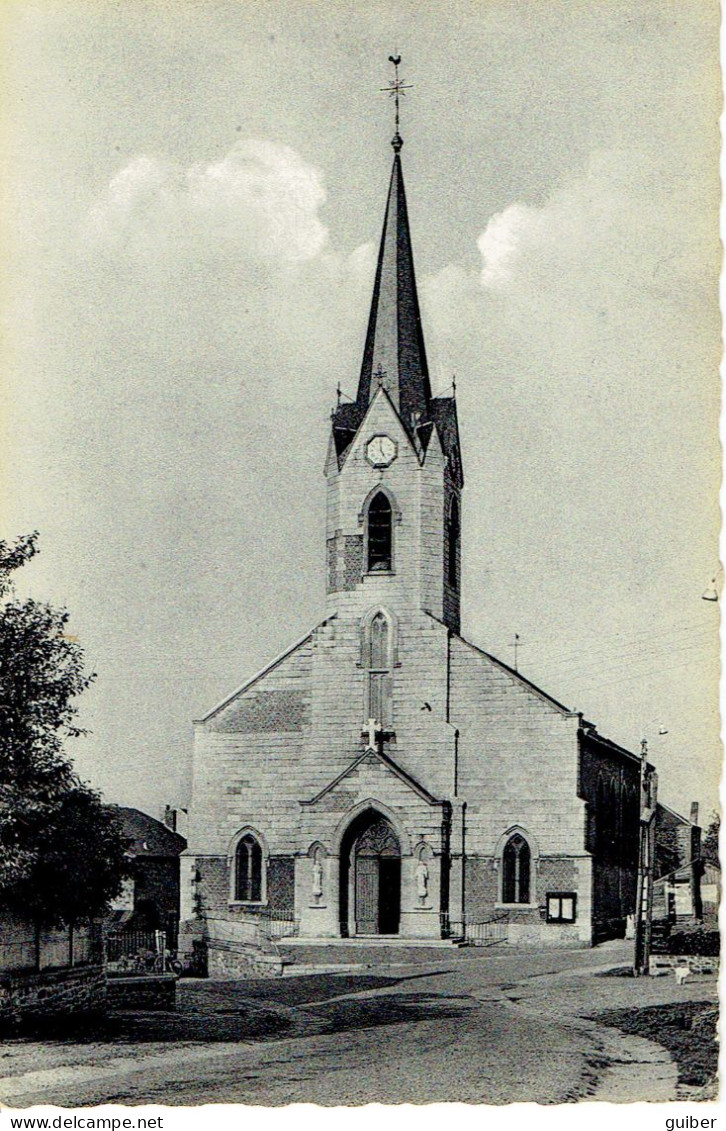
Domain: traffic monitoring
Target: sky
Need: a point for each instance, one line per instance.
(191, 219)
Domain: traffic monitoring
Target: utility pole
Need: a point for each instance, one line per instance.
(646, 847)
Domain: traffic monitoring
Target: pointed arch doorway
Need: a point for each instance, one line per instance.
(370, 877)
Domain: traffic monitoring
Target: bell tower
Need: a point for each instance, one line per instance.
(394, 464)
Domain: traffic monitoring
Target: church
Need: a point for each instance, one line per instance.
(385, 776)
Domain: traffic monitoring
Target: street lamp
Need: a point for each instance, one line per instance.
(710, 593)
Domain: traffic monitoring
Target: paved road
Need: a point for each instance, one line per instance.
(487, 1030)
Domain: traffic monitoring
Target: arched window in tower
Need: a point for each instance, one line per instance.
(452, 544)
(248, 870)
(378, 663)
(380, 533)
(516, 862)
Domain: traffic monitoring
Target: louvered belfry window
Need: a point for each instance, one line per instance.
(379, 670)
(248, 870)
(380, 533)
(516, 860)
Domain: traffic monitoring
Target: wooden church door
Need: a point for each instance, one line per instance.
(366, 895)
(377, 879)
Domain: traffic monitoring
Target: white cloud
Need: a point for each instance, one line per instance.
(501, 241)
(261, 199)
(607, 273)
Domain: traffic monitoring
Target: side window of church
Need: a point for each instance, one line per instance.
(516, 860)
(379, 670)
(380, 533)
(452, 544)
(248, 870)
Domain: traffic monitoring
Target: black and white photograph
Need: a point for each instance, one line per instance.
(360, 584)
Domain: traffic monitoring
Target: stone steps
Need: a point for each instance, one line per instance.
(316, 958)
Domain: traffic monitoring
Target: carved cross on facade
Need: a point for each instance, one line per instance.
(375, 736)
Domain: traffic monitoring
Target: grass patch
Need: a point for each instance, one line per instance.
(687, 1031)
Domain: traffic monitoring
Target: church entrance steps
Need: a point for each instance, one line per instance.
(335, 956)
(390, 941)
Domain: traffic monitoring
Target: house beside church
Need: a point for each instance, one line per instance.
(149, 899)
(385, 776)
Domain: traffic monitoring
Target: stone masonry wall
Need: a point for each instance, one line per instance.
(27, 999)
(518, 758)
(244, 758)
(147, 992)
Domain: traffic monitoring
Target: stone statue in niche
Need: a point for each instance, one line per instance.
(422, 881)
(317, 884)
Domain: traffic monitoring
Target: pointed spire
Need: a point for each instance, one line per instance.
(394, 342)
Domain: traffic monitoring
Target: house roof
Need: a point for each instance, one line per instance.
(678, 816)
(148, 836)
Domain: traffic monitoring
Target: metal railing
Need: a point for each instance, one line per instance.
(484, 932)
(136, 951)
(278, 923)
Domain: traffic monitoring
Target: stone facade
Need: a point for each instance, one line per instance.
(473, 795)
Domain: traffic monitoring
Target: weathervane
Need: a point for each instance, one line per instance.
(396, 89)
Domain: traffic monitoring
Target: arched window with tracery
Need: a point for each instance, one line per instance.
(248, 870)
(379, 529)
(516, 867)
(452, 545)
(378, 650)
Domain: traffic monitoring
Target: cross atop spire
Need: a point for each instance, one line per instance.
(396, 89)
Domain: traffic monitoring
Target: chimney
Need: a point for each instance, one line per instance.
(694, 812)
(170, 818)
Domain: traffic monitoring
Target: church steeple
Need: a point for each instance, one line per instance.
(394, 465)
(394, 355)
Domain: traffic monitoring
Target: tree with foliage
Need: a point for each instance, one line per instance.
(709, 845)
(61, 850)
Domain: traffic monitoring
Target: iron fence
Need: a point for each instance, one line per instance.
(485, 932)
(278, 923)
(135, 951)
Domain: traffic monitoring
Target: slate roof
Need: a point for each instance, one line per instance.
(394, 341)
(148, 836)
(394, 345)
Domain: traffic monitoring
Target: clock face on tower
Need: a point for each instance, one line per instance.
(381, 451)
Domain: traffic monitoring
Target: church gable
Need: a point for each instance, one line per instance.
(276, 700)
(372, 774)
(476, 675)
(372, 781)
(381, 418)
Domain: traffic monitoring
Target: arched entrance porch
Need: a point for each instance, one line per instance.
(370, 876)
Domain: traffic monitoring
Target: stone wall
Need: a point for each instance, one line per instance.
(147, 992)
(29, 999)
(527, 925)
(235, 960)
